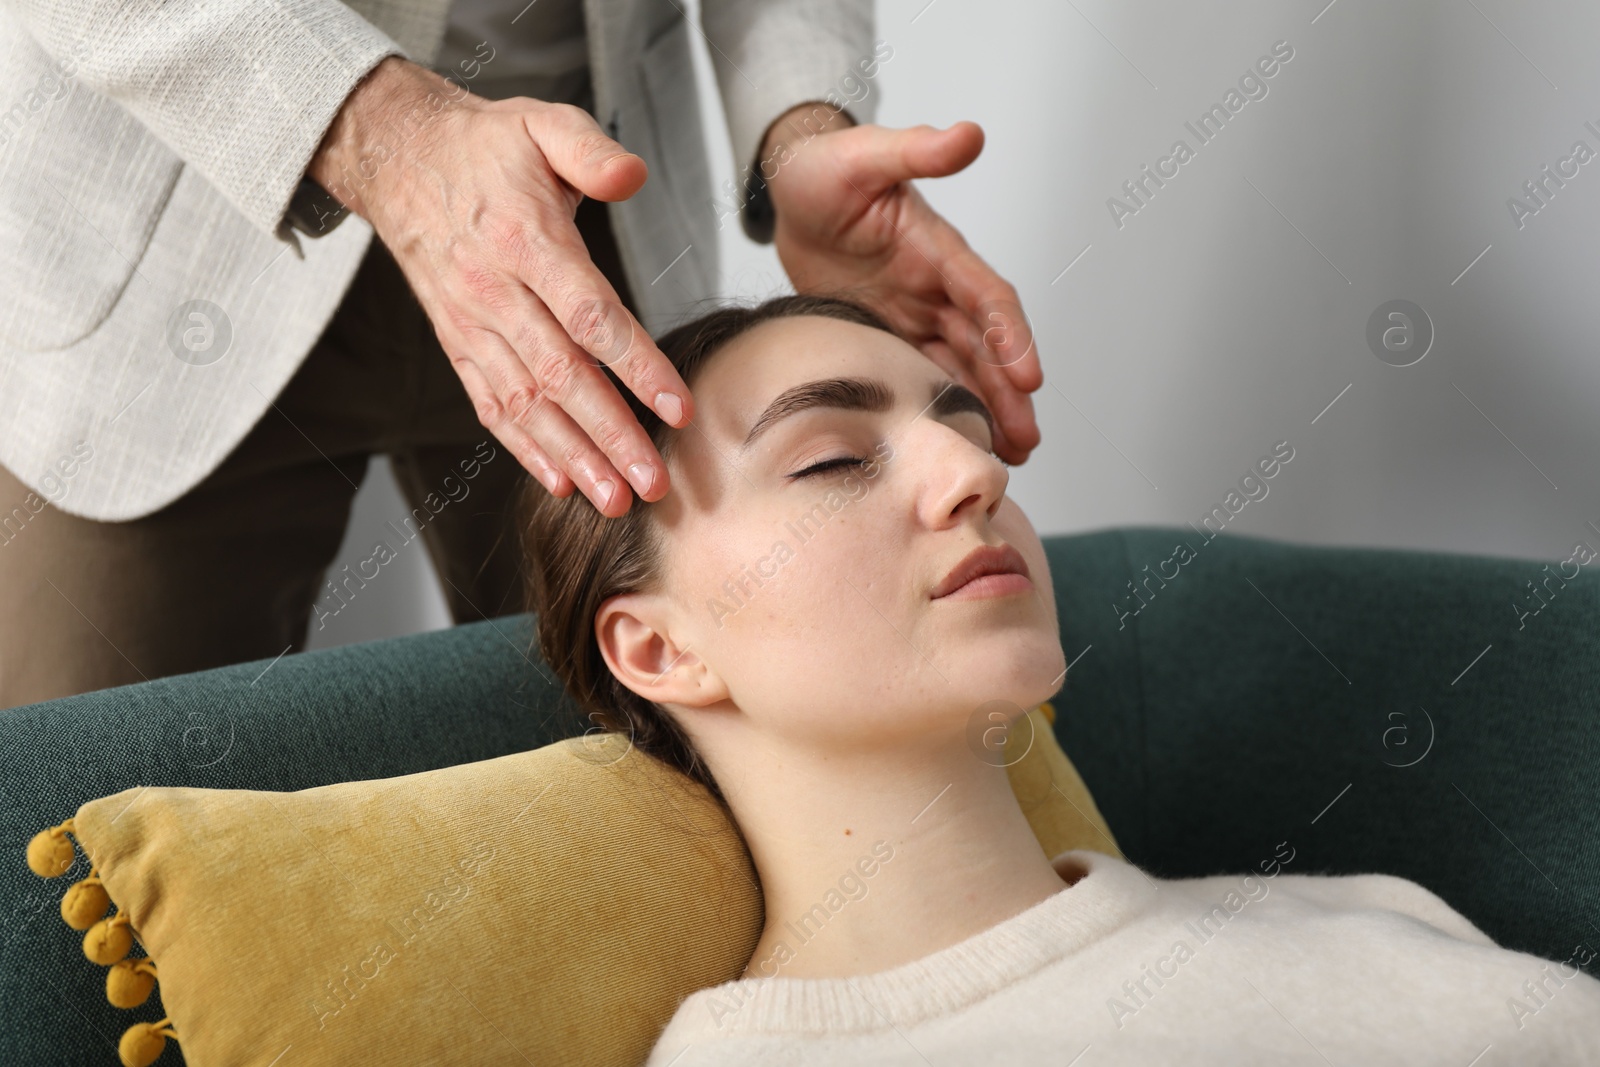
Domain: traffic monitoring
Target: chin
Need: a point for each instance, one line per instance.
(1025, 673)
(1031, 651)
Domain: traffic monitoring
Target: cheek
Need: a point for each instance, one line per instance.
(750, 590)
(797, 608)
(1039, 573)
(785, 585)
(750, 584)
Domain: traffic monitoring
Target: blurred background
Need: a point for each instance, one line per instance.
(1399, 153)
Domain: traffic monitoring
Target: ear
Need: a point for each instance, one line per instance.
(636, 639)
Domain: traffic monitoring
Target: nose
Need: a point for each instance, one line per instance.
(957, 476)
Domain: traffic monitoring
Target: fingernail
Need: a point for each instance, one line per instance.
(669, 407)
(642, 476)
(549, 480)
(606, 488)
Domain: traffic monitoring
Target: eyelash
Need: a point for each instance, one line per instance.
(829, 464)
(852, 461)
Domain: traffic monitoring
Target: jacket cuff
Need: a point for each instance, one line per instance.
(313, 210)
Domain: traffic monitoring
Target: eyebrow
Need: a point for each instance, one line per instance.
(863, 394)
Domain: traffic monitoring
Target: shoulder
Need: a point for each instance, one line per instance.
(1384, 892)
(1311, 896)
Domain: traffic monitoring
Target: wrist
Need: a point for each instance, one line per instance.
(382, 114)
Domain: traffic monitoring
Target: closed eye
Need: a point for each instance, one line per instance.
(827, 465)
(852, 461)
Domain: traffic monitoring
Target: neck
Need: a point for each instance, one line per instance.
(869, 861)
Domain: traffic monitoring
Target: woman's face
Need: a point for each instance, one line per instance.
(805, 594)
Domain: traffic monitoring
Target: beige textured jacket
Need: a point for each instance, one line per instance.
(149, 152)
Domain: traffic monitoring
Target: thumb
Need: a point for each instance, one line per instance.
(883, 157)
(580, 152)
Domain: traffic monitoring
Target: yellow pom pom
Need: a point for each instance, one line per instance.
(108, 941)
(141, 1044)
(85, 902)
(128, 984)
(1049, 711)
(50, 853)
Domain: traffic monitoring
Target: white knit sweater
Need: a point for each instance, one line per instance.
(1124, 968)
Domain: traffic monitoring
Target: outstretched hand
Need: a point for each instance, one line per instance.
(848, 218)
(475, 199)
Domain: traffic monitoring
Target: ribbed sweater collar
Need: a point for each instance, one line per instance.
(1105, 898)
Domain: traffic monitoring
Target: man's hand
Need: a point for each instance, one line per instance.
(849, 219)
(475, 199)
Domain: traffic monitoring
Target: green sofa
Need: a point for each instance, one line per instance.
(1360, 709)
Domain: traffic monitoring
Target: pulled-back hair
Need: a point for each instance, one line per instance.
(576, 558)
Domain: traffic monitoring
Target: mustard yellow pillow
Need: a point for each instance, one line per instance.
(550, 906)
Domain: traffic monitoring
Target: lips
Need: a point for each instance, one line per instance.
(985, 559)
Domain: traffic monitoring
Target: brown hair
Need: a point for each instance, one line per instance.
(577, 558)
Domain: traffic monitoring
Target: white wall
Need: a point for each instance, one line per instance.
(1227, 313)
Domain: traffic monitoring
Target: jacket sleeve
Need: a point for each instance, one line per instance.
(241, 91)
(768, 56)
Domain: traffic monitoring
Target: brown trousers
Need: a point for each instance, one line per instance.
(231, 570)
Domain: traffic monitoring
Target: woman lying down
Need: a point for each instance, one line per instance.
(827, 705)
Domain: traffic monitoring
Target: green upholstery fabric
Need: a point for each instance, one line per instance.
(1222, 720)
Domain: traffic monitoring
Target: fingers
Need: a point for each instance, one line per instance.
(580, 152)
(985, 321)
(546, 385)
(877, 157)
(981, 319)
(554, 265)
(1017, 429)
(517, 440)
(560, 317)
(520, 307)
(990, 303)
(945, 335)
(465, 348)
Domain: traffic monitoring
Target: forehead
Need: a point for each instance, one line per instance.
(744, 376)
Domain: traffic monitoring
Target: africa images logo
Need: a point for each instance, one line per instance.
(199, 332)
